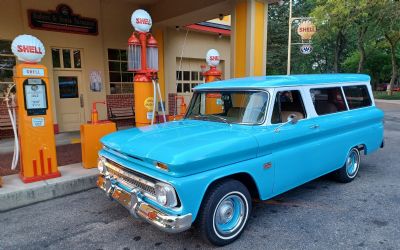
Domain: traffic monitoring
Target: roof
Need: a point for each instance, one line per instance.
(284, 80)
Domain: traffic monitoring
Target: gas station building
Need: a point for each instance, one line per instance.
(86, 44)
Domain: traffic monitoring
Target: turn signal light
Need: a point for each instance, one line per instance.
(152, 215)
(162, 166)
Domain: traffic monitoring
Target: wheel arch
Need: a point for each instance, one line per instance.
(362, 147)
(244, 177)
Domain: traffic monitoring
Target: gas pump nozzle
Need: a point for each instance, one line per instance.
(95, 114)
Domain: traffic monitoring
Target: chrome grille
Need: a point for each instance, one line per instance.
(131, 178)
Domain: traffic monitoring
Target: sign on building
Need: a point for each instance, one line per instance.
(63, 20)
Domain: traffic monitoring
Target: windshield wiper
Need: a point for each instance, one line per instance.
(200, 116)
(219, 117)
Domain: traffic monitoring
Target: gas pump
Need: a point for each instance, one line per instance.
(91, 133)
(213, 74)
(35, 119)
(143, 60)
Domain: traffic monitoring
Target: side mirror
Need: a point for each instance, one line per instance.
(292, 119)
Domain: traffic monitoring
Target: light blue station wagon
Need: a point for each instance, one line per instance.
(241, 139)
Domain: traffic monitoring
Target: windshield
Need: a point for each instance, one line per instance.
(229, 106)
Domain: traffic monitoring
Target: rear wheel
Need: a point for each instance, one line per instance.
(349, 171)
(224, 212)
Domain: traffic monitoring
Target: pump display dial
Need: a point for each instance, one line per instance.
(35, 96)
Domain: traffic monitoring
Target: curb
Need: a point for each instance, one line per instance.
(74, 178)
(388, 101)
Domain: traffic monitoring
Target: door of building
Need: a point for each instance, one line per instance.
(69, 100)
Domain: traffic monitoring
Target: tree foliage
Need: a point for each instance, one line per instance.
(352, 36)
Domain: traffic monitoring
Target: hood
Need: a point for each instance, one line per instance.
(188, 146)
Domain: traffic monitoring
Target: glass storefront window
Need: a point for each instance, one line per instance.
(179, 75)
(114, 66)
(121, 80)
(191, 79)
(179, 88)
(123, 55)
(186, 75)
(127, 88)
(186, 87)
(64, 58)
(68, 86)
(195, 76)
(115, 77)
(7, 63)
(113, 54)
(55, 55)
(6, 75)
(77, 58)
(5, 47)
(67, 58)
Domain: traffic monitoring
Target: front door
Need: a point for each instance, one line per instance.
(294, 149)
(69, 100)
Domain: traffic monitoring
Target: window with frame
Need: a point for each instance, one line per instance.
(357, 96)
(7, 63)
(288, 102)
(186, 80)
(66, 58)
(328, 100)
(121, 80)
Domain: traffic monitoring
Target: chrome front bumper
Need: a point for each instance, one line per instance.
(139, 209)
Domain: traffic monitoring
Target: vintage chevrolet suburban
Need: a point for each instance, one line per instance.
(241, 139)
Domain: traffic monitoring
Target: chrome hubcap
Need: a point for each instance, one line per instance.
(352, 163)
(225, 212)
(229, 214)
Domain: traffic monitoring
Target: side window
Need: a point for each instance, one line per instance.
(287, 103)
(357, 96)
(328, 100)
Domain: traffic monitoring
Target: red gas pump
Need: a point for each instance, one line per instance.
(211, 75)
(143, 60)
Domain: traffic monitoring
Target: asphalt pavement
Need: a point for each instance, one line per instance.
(322, 214)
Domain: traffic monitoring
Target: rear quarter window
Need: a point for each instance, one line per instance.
(328, 100)
(357, 96)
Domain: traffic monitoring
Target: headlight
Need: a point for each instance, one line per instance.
(101, 165)
(165, 195)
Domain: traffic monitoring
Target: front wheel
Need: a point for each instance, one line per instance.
(224, 213)
(349, 171)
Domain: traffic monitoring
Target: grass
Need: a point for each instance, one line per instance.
(385, 96)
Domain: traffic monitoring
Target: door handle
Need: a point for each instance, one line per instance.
(81, 100)
(314, 126)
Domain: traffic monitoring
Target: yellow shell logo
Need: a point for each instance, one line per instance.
(148, 103)
(306, 30)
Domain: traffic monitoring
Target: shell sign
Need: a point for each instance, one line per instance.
(28, 48)
(141, 20)
(212, 57)
(306, 30)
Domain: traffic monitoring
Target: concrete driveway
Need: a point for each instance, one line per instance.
(322, 214)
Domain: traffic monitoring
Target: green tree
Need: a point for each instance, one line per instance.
(388, 24)
(347, 19)
(333, 17)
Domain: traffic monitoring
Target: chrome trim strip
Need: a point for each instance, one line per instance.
(140, 209)
(126, 173)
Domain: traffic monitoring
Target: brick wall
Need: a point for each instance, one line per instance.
(120, 101)
(4, 113)
(171, 103)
